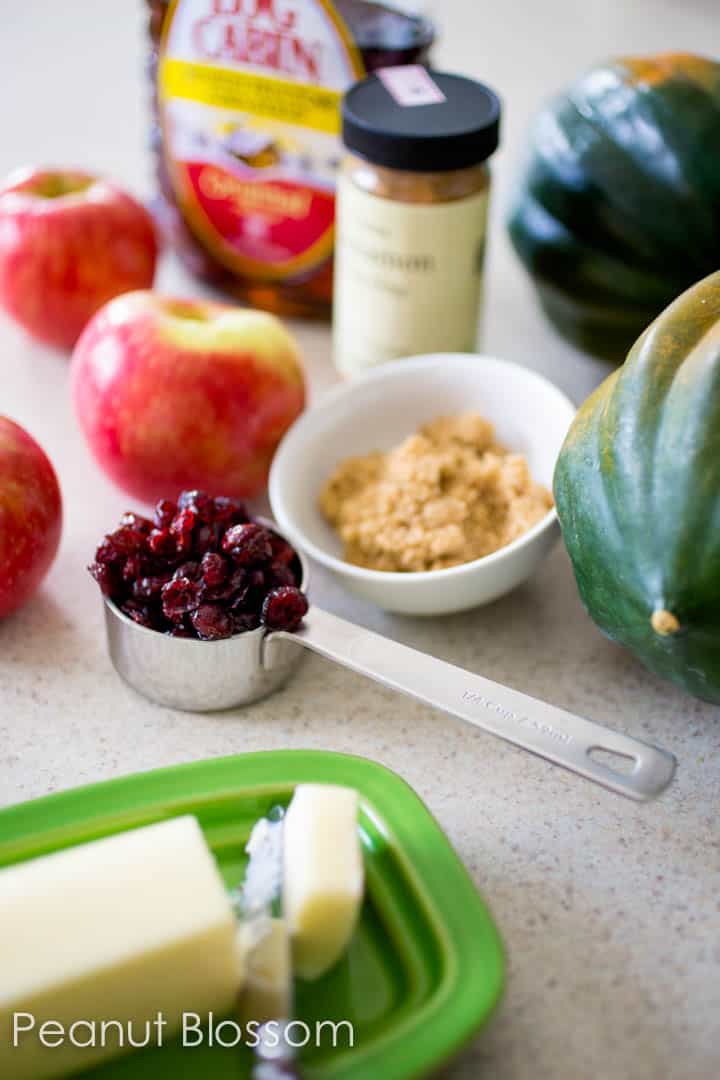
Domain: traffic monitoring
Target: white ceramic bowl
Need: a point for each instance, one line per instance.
(379, 410)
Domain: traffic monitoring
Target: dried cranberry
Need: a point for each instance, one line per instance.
(127, 540)
(281, 574)
(188, 570)
(248, 544)
(255, 592)
(178, 597)
(239, 578)
(161, 542)
(207, 538)
(211, 622)
(182, 530)
(256, 579)
(232, 591)
(137, 522)
(132, 568)
(200, 503)
(184, 522)
(282, 553)
(169, 575)
(165, 511)
(106, 576)
(149, 588)
(245, 620)
(107, 553)
(240, 601)
(230, 511)
(238, 590)
(284, 608)
(140, 613)
(213, 569)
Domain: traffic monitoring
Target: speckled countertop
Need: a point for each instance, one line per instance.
(610, 910)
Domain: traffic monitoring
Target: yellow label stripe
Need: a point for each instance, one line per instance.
(309, 106)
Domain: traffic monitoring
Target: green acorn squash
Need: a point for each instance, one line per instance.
(619, 209)
(637, 488)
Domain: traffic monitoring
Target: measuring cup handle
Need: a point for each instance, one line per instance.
(559, 736)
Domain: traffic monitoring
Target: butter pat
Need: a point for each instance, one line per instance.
(322, 875)
(267, 993)
(122, 929)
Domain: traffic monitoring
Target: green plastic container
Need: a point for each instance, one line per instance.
(426, 966)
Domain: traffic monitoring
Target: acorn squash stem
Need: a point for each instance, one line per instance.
(664, 622)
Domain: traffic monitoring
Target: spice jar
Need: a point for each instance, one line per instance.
(411, 215)
(246, 100)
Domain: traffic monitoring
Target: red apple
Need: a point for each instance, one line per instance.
(179, 394)
(30, 515)
(69, 242)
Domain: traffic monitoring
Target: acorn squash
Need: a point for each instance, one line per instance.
(619, 209)
(637, 488)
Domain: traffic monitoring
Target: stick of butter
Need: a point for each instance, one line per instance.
(268, 990)
(322, 875)
(123, 929)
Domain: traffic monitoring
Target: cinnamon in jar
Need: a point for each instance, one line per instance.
(411, 215)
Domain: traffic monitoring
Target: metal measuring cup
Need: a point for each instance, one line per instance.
(204, 676)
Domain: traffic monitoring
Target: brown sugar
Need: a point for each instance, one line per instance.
(445, 496)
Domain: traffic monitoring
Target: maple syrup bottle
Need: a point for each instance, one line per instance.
(246, 98)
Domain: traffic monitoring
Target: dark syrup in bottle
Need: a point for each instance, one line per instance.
(384, 37)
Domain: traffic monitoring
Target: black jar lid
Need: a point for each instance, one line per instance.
(459, 129)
